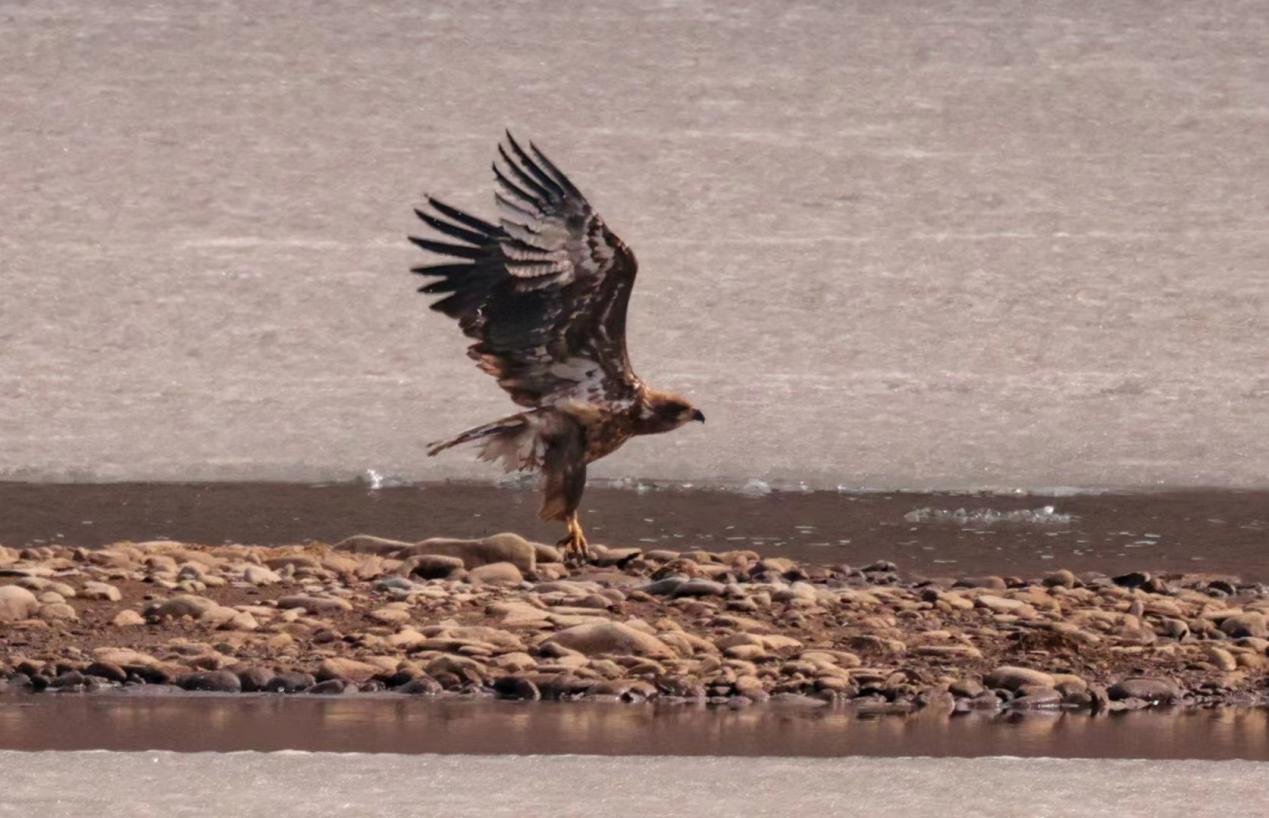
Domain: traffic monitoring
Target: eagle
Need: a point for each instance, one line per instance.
(543, 292)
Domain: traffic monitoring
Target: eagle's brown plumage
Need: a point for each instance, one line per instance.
(543, 293)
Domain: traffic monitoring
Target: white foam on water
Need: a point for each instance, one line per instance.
(1045, 515)
(376, 480)
(756, 488)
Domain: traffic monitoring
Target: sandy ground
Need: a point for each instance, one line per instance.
(925, 245)
(269, 785)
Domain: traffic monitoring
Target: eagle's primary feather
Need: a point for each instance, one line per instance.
(544, 294)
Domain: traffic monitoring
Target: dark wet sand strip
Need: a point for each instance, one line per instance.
(1192, 531)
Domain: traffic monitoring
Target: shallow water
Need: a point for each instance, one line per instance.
(174, 785)
(1217, 532)
(394, 724)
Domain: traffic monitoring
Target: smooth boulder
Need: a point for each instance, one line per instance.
(610, 637)
(16, 603)
(1158, 691)
(1008, 677)
(505, 547)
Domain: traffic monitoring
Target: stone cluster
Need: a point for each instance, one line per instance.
(506, 617)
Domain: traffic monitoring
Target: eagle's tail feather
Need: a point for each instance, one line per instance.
(513, 440)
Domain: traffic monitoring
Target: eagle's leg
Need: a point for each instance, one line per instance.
(574, 543)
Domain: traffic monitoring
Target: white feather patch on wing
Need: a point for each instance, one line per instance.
(575, 369)
(519, 451)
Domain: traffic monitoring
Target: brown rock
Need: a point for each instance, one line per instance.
(107, 670)
(992, 582)
(127, 619)
(966, 689)
(745, 652)
(505, 547)
(515, 662)
(218, 681)
(315, 604)
(331, 687)
(219, 616)
(1036, 698)
(289, 682)
(124, 657)
(260, 575)
(699, 587)
(339, 667)
(342, 564)
(999, 604)
(368, 544)
(954, 652)
(875, 645)
(420, 686)
(293, 561)
(495, 573)
(431, 566)
(240, 621)
(1245, 624)
(476, 633)
(687, 644)
(16, 603)
(183, 605)
(547, 553)
(117, 557)
(551, 570)
(611, 637)
(406, 639)
(1009, 677)
(101, 590)
(1161, 691)
(460, 668)
(778, 565)
(1223, 659)
(517, 614)
(391, 615)
(604, 556)
(57, 611)
(1061, 578)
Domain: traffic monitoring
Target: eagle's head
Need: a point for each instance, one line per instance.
(663, 412)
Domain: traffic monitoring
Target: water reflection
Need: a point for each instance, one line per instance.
(390, 724)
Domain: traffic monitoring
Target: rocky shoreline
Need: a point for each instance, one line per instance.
(505, 617)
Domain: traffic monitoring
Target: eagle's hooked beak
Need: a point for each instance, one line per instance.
(697, 414)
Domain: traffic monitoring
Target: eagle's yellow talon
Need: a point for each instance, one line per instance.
(574, 543)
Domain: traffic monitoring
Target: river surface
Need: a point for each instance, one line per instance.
(908, 244)
(396, 724)
(1027, 535)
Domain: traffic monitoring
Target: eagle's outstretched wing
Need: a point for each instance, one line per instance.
(544, 292)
